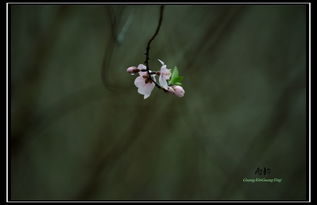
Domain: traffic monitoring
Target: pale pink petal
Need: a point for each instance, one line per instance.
(139, 82)
(168, 74)
(163, 68)
(163, 82)
(179, 91)
(131, 69)
(146, 89)
(141, 91)
(142, 73)
(146, 96)
(141, 66)
(165, 72)
(161, 62)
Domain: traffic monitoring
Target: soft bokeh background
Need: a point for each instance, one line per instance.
(80, 130)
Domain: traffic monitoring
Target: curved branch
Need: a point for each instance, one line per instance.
(147, 53)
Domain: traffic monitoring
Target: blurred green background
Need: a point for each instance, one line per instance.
(80, 130)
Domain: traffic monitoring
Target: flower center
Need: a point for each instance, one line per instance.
(147, 79)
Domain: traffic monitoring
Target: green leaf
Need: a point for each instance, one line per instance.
(175, 78)
(178, 79)
(175, 72)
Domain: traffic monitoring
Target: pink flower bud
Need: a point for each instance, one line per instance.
(178, 90)
(132, 70)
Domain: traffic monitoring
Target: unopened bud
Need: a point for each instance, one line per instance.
(132, 70)
(178, 90)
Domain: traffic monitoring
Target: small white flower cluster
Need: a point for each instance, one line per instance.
(145, 83)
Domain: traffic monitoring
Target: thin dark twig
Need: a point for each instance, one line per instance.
(147, 53)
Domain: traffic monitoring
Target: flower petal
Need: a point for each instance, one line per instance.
(163, 68)
(142, 73)
(139, 82)
(146, 96)
(163, 82)
(179, 91)
(165, 73)
(161, 62)
(146, 89)
(143, 88)
(168, 74)
(141, 66)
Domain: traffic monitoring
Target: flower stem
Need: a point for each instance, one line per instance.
(155, 73)
(147, 53)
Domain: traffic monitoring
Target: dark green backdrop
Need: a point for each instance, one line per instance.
(80, 130)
